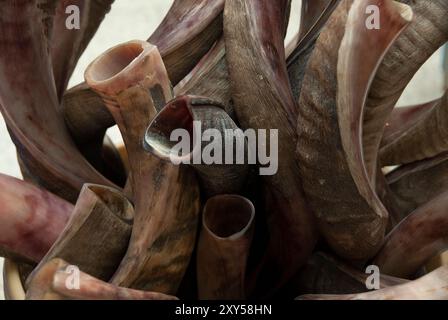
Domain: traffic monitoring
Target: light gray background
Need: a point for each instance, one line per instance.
(129, 21)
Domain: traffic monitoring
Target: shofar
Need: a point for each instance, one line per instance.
(315, 14)
(58, 280)
(415, 184)
(97, 235)
(188, 31)
(223, 249)
(134, 84)
(30, 105)
(433, 286)
(263, 100)
(229, 169)
(418, 238)
(339, 183)
(425, 138)
(30, 219)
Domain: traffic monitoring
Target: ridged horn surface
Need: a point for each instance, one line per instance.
(330, 153)
(263, 100)
(97, 235)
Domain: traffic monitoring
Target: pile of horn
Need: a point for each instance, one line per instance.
(134, 225)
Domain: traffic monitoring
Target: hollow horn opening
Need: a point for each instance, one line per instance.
(114, 200)
(228, 216)
(175, 115)
(114, 61)
(119, 67)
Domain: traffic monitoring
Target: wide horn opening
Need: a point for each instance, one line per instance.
(114, 61)
(160, 137)
(114, 200)
(119, 67)
(228, 216)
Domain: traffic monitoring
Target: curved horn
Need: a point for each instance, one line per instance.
(65, 42)
(427, 32)
(198, 116)
(181, 43)
(31, 219)
(223, 248)
(134, 84)
(210, 78)
(418, 238)
(50, 283)
(324, 274)
(188, 31)
(30, 107)
(415, 184)
(433, 286)
(260, 87)
(353, 219)
(353, 87)
(97, 235)
(403, 118)
(315, 15)
(425, 138)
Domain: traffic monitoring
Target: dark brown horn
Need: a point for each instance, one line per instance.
(415, 184)
(324, 274)
(97, 235)
(260, 87)
(418, 238)
(425, 138)
(353, 220)
(403, 118)
(210, 78)
(65, 42)
(223, 249)
(188, 31)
